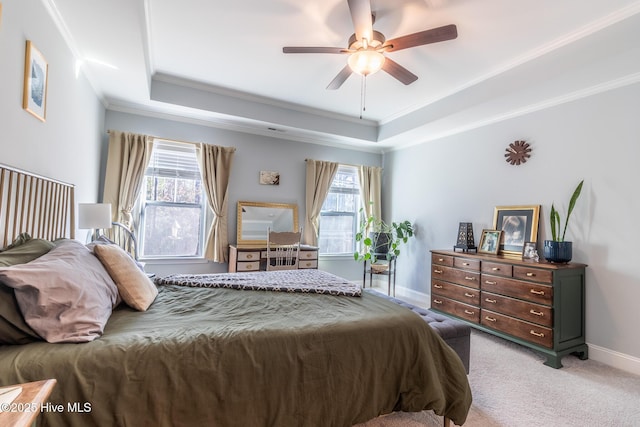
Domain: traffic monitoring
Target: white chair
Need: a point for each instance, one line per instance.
(283, 250)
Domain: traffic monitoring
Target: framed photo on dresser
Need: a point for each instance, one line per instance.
(519, 224)
(490, 241)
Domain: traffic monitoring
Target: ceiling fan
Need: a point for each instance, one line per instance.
(367, 47)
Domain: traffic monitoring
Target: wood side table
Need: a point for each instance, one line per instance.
(26, 407)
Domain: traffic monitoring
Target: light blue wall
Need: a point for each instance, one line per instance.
(463, 177)
(67, 145)
(253, 154)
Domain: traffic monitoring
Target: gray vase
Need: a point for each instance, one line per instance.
(558, 252)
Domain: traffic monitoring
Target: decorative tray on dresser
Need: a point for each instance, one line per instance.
(537, 304)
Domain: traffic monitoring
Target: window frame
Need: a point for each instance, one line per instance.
(143, 203)
(354, 214)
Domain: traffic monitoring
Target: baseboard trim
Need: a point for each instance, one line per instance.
(417, 298)
(615, 359)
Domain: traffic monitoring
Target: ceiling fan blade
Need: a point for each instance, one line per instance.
(434, 35)
(399, 72)
(302, 49)
(361, 17)
(342, 76)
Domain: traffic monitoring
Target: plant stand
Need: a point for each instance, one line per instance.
(390, 273)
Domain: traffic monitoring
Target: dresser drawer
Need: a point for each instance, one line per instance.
(461, 277)
(527, 331)
(308, 255)
(497, 269)
(469, 296)
(535, 313)
(456, 308)
(442, 260)
(249, 256)
(303, 264)
(535, 274)
(248, 266)
(467, 264)
(534, 292)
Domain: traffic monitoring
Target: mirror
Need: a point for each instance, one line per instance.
(255, 218)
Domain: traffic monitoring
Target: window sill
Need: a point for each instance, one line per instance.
(336, 256)
(164, 261)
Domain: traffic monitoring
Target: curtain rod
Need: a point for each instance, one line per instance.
(173, 140)
(164, 139)
(345, 164)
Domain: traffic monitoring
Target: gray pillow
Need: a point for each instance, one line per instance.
(65, 295)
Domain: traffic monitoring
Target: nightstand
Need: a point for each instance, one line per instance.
(33, 395)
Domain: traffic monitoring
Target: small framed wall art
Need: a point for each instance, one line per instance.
(36, 80)
(269, 178)
(519, 224)
(490, 241)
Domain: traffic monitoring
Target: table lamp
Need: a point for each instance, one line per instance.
(94, 216)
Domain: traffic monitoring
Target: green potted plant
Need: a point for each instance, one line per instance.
(383, 239)
(557, 249)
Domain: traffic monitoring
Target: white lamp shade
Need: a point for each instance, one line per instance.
(94, 215)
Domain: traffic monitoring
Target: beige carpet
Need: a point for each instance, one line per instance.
(512, 388)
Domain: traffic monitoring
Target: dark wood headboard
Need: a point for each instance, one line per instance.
(40, 206)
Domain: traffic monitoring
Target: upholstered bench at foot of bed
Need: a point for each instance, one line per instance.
(453, 332)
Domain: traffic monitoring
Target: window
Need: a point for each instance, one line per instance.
(340, 214)
(173, 205)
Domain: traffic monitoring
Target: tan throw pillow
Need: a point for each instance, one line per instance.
(136, 289)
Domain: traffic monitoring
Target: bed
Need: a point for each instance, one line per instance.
(225, 356)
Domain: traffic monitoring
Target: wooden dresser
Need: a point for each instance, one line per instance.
(255, 258)
(537, 304)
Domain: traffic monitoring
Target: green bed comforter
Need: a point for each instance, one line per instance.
(224, 357)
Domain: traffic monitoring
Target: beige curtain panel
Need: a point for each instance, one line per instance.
(128, 156)
(319, 177)
(370, 188)
(215, 166)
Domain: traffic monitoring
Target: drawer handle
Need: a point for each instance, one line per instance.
(308, 264)
(531, 274)
(437, 271)
(437, 286)
(437, 301)
(489, 282)
(467, 294)
(490, 319)
(465, 263)
(249, 266)
(537, 313)
(249, 256)
(469, 312)
(495, 269)
(537, 334)
(469, 278)
(535, 292)
(440, 259)
(492, 301)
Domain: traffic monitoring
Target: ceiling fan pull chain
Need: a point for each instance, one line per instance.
(363, 95)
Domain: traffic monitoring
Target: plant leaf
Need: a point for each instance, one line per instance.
(572, 204)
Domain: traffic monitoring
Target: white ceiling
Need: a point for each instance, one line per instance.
(221, 62)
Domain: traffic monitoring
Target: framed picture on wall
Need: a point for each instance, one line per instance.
(519, 224)
(269, 178)
(489, 241)
(36, 80)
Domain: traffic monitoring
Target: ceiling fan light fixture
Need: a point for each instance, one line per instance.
(366, 61)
